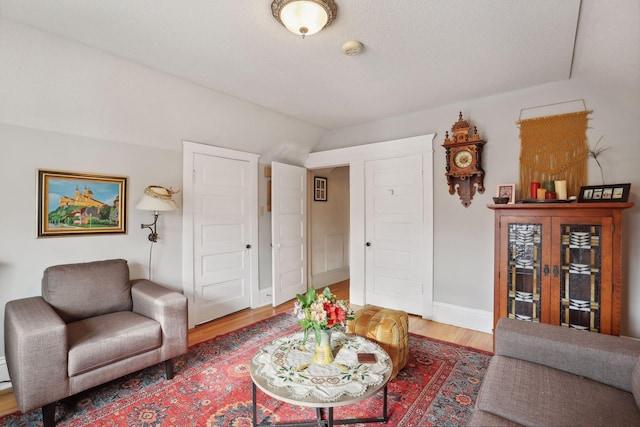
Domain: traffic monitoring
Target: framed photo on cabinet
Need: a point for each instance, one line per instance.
(507, 190)
(604, 193)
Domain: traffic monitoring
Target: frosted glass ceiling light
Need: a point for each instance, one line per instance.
(304, 17)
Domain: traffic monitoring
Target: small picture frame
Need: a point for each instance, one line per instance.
(507, 190)
(320, 189)
(604, 193)
(78, 203)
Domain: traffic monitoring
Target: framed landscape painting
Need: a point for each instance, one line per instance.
(76, 203)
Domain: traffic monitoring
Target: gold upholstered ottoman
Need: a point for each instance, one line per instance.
(389, 328)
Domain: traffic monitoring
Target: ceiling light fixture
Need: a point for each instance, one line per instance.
(304, 17)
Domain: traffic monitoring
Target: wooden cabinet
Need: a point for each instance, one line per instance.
(559, 263)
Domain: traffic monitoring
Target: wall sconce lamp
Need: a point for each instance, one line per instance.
(156, 199)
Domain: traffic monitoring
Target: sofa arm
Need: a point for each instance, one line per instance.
(603, 358)
(167, 307)
(35, 343)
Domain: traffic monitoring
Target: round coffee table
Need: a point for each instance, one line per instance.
(283, 370)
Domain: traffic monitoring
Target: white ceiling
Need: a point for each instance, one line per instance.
(418, 54)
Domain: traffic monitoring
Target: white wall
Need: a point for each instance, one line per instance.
(50, 83)
(329, 229)
(68, 107)
(606, 74)
(23, 256)
(463, 246)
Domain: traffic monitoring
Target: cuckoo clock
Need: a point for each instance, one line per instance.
(464, 161)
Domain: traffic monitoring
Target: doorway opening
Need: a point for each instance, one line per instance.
(328, 224)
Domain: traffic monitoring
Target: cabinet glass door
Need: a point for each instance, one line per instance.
(524, 278)
(580, 278)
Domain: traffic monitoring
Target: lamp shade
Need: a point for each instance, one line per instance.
(304, 17)
(157, 198)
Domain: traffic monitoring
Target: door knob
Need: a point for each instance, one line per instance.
(248, 246)
(368, 243)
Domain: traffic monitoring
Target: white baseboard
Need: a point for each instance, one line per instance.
(464, 317)
(327, 278)
(4, 374)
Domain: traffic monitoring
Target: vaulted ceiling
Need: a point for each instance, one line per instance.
(418, 54)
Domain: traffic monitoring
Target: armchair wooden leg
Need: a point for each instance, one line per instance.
(49, 415)
(168, 366)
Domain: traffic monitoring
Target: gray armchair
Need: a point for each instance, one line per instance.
(91, 325)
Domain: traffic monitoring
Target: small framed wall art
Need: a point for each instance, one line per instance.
(604, 193)
(507, 190)
(319, 189)
(75, 203)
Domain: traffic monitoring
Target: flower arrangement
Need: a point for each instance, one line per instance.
(321, 312)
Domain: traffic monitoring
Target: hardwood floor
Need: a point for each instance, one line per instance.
(417, 325)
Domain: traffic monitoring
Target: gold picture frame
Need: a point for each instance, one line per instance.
(77, 203)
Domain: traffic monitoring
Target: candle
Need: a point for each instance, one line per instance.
(534, 190)
(549, 185)
(550, 195)
(541, 193)
(561, 189)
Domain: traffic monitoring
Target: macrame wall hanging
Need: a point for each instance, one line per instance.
(554, 148)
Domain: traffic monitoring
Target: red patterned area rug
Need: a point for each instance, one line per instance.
(212, 387)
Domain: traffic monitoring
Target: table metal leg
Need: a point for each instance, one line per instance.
(255, 410)
(329, 422)
(383, 419)
(384, 405)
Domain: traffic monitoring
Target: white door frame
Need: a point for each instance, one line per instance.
(189, 149)
(355, 157)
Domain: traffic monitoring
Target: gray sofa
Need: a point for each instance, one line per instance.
(544, 375)
(90, 326)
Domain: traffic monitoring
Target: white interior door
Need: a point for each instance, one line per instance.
(394, 233)
(222, 192)
(288, 231)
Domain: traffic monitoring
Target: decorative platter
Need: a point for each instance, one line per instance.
(544, 201)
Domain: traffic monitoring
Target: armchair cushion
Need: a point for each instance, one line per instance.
(528, 393)
(103, 340)
(79, 291)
